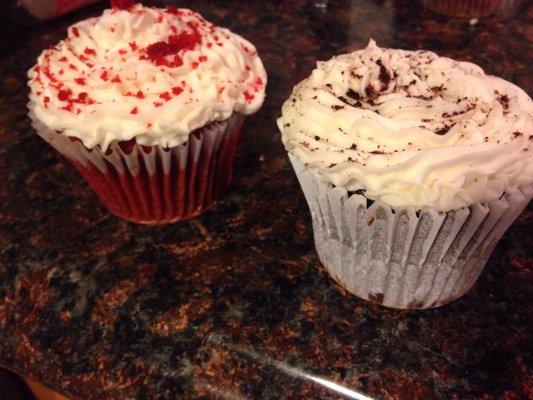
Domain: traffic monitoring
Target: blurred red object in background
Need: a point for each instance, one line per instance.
(48, 9)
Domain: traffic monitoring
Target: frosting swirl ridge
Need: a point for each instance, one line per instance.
(411, 128)
(145, 73)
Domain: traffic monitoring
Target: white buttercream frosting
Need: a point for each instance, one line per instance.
(145, 73)
(411, 128)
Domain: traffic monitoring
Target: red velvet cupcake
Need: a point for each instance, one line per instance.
(148, 104)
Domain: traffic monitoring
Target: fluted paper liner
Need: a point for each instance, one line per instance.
(152, 184)
(404, 257)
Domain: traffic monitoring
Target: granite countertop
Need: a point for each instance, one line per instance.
(234, 304)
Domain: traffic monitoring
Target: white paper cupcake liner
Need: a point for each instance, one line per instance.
(404, 257)
(152, 184)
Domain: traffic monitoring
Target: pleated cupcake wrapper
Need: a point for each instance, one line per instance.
(152, 184)
(404, 258)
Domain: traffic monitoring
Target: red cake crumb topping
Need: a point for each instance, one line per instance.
(64, 95)
(177, 90)
(122, 4)
(165, 96)
(89, 52)
(82, 96)
(248, 96)
(80, 81)
(104, 76)
(157, 52)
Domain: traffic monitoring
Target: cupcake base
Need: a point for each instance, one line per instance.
(155, 185)
(404, 257)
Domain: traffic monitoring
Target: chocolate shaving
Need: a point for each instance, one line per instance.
(384, 74)
(504, 101)
(343, 99)
(444, 130)
(352, 94)
(370, 91)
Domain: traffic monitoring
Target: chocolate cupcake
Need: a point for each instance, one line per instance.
(413, 166)
(147, 104)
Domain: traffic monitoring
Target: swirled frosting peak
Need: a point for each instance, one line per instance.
(145, 73)
(411, 128)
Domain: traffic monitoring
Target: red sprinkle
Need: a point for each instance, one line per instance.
(116, 79)
(122, 4)
(82, 96)
(68, 107)
(209, 45)
(80, 81)
(133, 46)
(104, 76)
(173, 10)
(165, 96)
(63, 59)
(149, 125)
(202, 58)
(157, 104)
(73, 67)
(177, 90)
(247, 67)
(122, 51)
(134, 110)
(64, 95)
(89, 52)
(194, 65)
(140, 95)
(248, 96)
(75, 31)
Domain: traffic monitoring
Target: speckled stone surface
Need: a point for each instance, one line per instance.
(234, 304)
